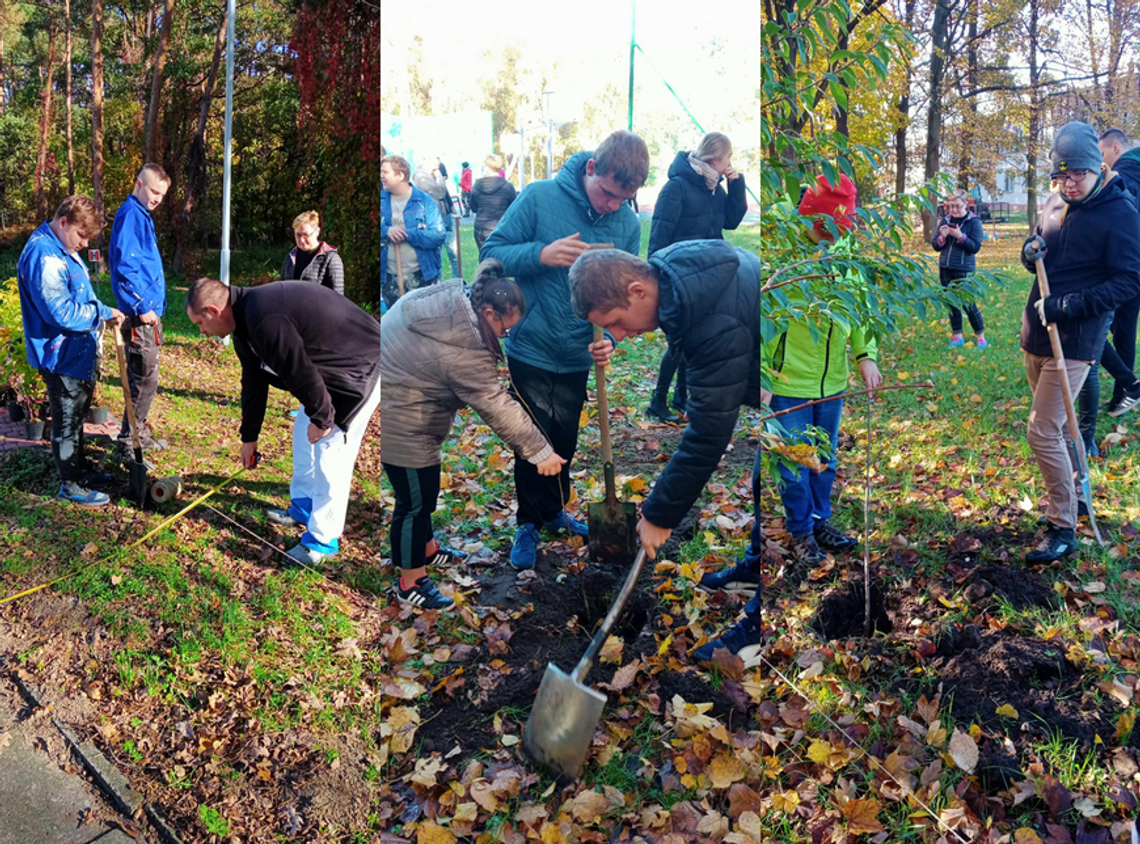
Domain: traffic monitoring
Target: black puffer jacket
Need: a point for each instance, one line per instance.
(325, 268)
(1093, 266)
(710, 311)
(1127, 167)
(957, 254)
(491, 196)
(687, 210)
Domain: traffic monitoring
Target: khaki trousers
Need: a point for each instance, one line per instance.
(1048, 433)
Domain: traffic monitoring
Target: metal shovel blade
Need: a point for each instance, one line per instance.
(561, 725)
(136, 484)
(613, 531)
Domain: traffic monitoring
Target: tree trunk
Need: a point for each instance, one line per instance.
(3, 90)
(97, 105)
(45, 122)
(1034, 118)
(842, 124)
(196, 168)
(903, 107)
(940, 36)
(70, 144)
(150, 147)
(970, 115)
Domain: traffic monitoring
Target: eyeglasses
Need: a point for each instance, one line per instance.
(1074, 176)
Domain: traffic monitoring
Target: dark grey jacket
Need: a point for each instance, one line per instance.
(326, 268)
(959, 254)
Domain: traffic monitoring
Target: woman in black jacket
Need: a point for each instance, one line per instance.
(693, 206)
(491, 196)
(957, 240)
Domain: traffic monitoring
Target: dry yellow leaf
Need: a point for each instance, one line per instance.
(611, 650)
(820, 751)
(724, 771)
(1007, 711)
(1025, 835)
(589, 806)
(430, 832)
(785, 801)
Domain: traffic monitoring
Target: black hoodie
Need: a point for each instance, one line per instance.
(687, 210)
(1093, 266)
(710, 310)
(310, 341)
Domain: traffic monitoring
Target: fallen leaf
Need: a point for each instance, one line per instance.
(724, 771)
(611, 650)
(862, 816)
(430, 832)
(964, 751)
(589, 806)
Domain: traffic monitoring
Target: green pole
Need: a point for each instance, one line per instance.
(632, 45)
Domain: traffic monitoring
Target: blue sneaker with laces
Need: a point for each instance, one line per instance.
(525, 550)
(73, 493)
(572, 526)
(957, 341)
(738, 579)
(742, 639)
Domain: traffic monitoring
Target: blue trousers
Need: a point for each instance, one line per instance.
(806, 494)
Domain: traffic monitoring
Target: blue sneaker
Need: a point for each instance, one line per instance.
(983, 343)
(424, 595)
(302, 556)
(565, 522)
(525, 550)
(73, 493)
(741, 639)
(738, 579)
(957, 341)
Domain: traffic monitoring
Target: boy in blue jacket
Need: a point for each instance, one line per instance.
(61, 319)
(550, 352)
(139, 285)
(411, 223)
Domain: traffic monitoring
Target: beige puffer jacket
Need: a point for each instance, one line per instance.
(432, 363)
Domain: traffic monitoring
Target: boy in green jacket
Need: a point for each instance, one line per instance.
(806, 368)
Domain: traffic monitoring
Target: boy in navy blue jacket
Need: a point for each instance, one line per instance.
(139, 285)
(61, 319)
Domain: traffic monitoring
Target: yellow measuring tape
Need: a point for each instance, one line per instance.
(134, 544)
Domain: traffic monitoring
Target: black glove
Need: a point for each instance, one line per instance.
(1060, 307)
(1033, 250)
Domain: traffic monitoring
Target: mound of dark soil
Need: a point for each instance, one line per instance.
(841, 612)
(1020, 588)
(545, 636)
(1035, 678)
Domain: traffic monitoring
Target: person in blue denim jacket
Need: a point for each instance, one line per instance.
(62, 317)
(411, 223)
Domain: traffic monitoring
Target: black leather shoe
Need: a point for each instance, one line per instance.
(660, 411)
(1057, 544)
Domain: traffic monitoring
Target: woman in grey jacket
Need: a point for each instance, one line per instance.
(439, 352)
(312, 259)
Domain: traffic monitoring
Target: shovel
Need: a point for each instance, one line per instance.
(399, 270)
(458, 245)
(1076, 442)
(137, 468)
(566, 712)
(612, 523)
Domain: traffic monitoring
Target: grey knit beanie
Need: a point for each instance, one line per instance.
(1075, 148)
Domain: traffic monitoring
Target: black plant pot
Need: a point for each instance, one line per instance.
(98, 415)
(34, 430)
(15, 412)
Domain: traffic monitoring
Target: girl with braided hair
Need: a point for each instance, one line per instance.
(439, 352)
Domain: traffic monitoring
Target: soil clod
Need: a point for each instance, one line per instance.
(840, 614)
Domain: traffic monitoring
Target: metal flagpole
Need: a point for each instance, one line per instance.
(224, 272)
(632, 47)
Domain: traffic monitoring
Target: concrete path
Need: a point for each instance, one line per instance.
(40, 802)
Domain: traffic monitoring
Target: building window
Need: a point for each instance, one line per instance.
(1009, 183)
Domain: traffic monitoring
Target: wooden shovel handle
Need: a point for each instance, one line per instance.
(399, 270)
(603, 404)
